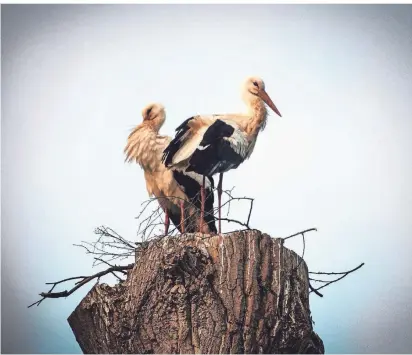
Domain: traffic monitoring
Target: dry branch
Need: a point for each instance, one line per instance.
(83, 281)
(326, 282)
(329, 282)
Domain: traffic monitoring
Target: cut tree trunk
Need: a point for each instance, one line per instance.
(240, 293)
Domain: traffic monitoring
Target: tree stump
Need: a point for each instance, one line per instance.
(240, 293)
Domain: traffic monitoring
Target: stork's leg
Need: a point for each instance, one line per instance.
(167, 222)
(202, 207)
(219, 200)
(182, 217)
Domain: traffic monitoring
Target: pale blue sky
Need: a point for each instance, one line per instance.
(75, 78)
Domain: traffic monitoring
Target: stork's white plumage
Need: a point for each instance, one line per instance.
(210, 144)
(177, 191)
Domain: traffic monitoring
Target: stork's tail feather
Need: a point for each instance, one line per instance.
(209, 211)
(191, 188)
(175, 217)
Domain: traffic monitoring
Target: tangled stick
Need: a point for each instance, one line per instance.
(329, 282)
(83, 281)
(111, 246)
(326, 282)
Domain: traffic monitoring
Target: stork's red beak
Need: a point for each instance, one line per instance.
(268, 101)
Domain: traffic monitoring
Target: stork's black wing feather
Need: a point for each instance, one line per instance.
(216, 131)
(176, 143)
(215, 154)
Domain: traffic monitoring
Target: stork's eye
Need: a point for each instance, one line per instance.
(255, 83)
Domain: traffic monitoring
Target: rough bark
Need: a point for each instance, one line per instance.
(242, 293)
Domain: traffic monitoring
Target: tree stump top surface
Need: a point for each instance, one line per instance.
(243, 292)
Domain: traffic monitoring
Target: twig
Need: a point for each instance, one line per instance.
(312, 289)
(303, 232)
(85, 280)
(326, 283)
(344, 274)
(108, 264)
(250, 211)
(106, 231)
(233, 221)
(317, 280)
(337, 273)
(117, 277)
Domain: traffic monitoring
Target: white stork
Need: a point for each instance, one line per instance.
(177, 191)
(210, 144)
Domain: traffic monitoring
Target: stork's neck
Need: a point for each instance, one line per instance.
(257, 113)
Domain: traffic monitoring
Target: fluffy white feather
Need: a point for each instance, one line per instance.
(189, 145)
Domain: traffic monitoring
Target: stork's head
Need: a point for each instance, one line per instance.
(254, 87)
(154, 115)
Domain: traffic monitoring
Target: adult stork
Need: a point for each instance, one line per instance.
(210, 144)
(177, 191)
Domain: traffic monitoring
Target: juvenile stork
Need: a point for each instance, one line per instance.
(177, 191)
(210, 144)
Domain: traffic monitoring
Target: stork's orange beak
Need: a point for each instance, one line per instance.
(268, 101)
